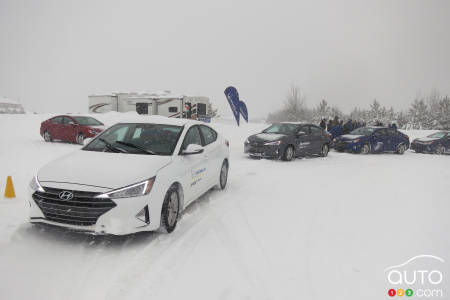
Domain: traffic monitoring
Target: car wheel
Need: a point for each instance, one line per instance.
(80, 139)
(401, 149)
(47, 136)
(440, 149)
(288, 154)
(170, 211)
(223, 175)
(365, 149)
(324, 151)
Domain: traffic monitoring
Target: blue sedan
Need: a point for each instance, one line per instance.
(373, 140)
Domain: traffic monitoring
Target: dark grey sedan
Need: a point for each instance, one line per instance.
(288, 140)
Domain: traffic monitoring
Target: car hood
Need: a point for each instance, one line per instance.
(427, 139)
(349, 137)
(102, 169)
(266, 137)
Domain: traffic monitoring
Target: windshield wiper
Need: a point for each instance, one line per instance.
(111, 147)
(136, 147)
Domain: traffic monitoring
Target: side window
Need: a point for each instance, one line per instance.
(305, 129)
(209, 134)
(173, 109)
(57, 120)
(66, 120)
(380, 133)
(315, 131)
(391, 132)
(192, 137)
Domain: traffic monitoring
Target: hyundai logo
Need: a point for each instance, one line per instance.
(66, 195)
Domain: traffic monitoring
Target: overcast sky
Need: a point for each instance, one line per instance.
(53, 54)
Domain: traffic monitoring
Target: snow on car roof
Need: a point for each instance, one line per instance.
(158, 120)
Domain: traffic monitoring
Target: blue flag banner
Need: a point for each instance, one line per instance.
(233, 99)
(243, 110)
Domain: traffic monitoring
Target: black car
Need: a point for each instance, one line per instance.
(438, 143)
(375, 139)
(288, 140)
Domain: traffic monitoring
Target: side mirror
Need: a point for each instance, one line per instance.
(87, 141)
(72, 123)
(192, 149)
(301, 133)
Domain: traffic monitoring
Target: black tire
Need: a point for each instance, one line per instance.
(169, 213)
(80, 138)
(401, 149)
(223, 177)
(288, 154)
(439, 150)
(48, 137)
(365, 149)
(325, 150)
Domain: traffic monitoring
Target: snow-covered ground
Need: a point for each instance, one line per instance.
(314, 228)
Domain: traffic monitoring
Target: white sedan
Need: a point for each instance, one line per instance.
(133, 177)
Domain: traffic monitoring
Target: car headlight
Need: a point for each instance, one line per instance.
(356, 141)
(428, 143)
(276, 143)
(35, 185)
(134, 190)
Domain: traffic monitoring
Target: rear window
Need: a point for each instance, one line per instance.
(87, 121)
(209, 134)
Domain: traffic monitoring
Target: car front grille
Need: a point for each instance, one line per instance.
(82, 210)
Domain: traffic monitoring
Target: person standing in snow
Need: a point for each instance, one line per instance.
(323, 124)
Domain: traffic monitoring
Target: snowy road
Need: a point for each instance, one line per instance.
(315, 228)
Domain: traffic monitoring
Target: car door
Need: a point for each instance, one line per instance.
(393, 140)
(303, 141)
(212, 153)
(317, 139)
(55, 127)
(194, 165)
(66, 130)
(379, 140)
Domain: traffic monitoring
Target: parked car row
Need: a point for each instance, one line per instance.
(288, 140)
(140, 176)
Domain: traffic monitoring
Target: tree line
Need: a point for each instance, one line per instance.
(425, 112)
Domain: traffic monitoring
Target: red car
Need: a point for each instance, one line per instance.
(70, 128)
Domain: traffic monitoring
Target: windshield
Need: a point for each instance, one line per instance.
(363, 131)
(282, 128)
(137, 139)
(438, 135)
(87, 121)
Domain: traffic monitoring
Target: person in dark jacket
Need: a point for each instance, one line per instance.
(348, 126)
(329, 125)
(337, 130)
(323, 124)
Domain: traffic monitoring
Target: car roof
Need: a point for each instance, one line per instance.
(295, 123)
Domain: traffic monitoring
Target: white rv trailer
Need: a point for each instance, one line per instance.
(165, 104)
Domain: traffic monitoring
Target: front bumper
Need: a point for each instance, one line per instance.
(419, 147)
(118, 217)
(266, 151)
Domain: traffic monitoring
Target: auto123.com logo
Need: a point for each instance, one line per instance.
(420, 276)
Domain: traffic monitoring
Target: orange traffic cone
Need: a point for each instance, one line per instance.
(9, 191)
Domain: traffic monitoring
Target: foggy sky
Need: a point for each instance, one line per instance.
(53, 54)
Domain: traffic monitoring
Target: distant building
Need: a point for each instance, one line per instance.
(9, 106)
(164, 103)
